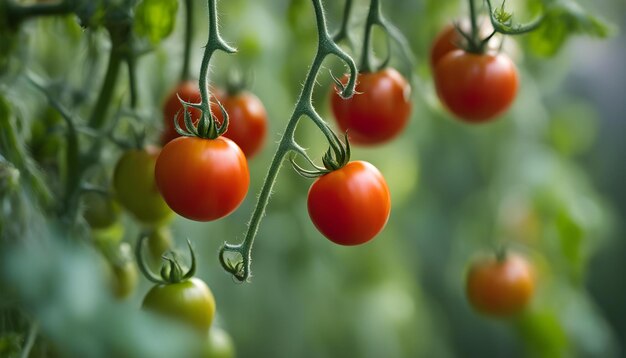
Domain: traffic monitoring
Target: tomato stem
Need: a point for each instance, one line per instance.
(185, 73)
(507, 27)
(375, 17)
(343, 33)
(214, 43)
(98, 115)
(241, 269)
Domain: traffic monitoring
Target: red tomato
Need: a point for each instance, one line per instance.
(202, 179)
(189, 92)
(476, 87)
(247, 120)
(446, 41)
(378, 111)
(500, 287)
(350, 205)
(449, 39)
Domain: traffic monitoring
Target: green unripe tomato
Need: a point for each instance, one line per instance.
(135, 189)
(125, 278)
(109, 235)
(100, 211)
(219, 344)
(189, 302)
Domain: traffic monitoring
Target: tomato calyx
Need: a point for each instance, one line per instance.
(208, 127)
(171, 271)
(335, 158)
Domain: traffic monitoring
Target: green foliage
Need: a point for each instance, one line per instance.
(155, 19)
(562, 20)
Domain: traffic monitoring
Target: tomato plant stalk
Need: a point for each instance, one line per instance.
(241, 269)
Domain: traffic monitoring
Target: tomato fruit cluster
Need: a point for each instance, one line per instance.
(202, 179)
(378, 111)
(350, 205)
(500, 286)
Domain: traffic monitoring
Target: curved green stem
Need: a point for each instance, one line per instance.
(372, 20)
(508, 28)
(343, 33)
(375, 17)
(304, 107)
(141, 262)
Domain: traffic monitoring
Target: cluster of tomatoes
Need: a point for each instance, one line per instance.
(477, 85)
(207, 179)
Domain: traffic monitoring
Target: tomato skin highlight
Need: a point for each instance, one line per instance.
(474, 87)
(202, 179)
(188, 91)
(500, 288)
(351, 205)
(135, 188)
(190, 301)
(378, 111)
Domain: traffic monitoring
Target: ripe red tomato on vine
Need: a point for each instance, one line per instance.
(247, 120)
(476, 87)
(379, 110)
(500, 286)
(350, 205)
(202, 179)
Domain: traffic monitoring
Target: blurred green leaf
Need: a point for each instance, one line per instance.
(563, 19)
(155, 19)
(543, 334)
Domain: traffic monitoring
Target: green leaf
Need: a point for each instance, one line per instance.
(565, 18)
(155, 19)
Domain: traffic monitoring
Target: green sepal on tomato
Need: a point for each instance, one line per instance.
(379, 110)
(247, 117)
(350, 205)
(177, 294)
(202, 179)
(135, 187)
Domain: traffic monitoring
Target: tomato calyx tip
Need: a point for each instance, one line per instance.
(336, 157)
(171, 271)
(207, 127)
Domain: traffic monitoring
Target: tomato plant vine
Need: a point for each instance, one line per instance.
(240, 267)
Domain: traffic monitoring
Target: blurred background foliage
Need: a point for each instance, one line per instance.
(547, 178)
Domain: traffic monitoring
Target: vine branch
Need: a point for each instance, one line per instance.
(240, 268)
